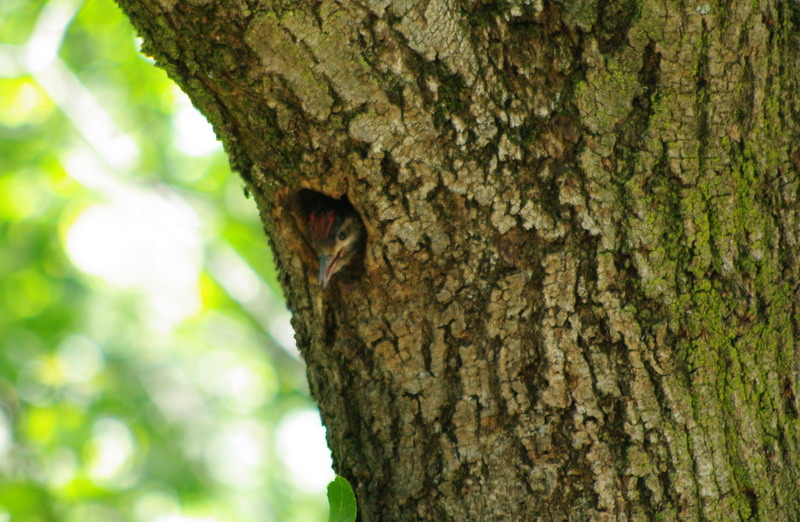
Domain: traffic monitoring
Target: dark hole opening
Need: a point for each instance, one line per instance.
(313, 201)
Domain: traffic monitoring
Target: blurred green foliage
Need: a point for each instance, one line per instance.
(147, 367)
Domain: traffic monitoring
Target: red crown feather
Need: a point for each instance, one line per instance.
(321, 223)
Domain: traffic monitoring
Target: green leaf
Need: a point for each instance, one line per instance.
(342, 501)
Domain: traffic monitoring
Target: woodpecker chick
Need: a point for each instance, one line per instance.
(336, 234)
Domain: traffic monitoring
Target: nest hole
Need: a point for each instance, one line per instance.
(309, 205)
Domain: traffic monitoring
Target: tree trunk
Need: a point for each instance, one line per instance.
(579, 289)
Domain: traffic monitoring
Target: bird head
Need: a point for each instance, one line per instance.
(336, 234)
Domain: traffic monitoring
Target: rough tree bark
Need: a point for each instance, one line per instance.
(579, 294)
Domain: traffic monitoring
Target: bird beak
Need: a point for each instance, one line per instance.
(324, 263)
(326, 268)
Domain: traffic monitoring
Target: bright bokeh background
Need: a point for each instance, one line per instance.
(147, 366)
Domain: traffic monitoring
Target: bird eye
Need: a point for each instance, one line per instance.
(341, 236)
